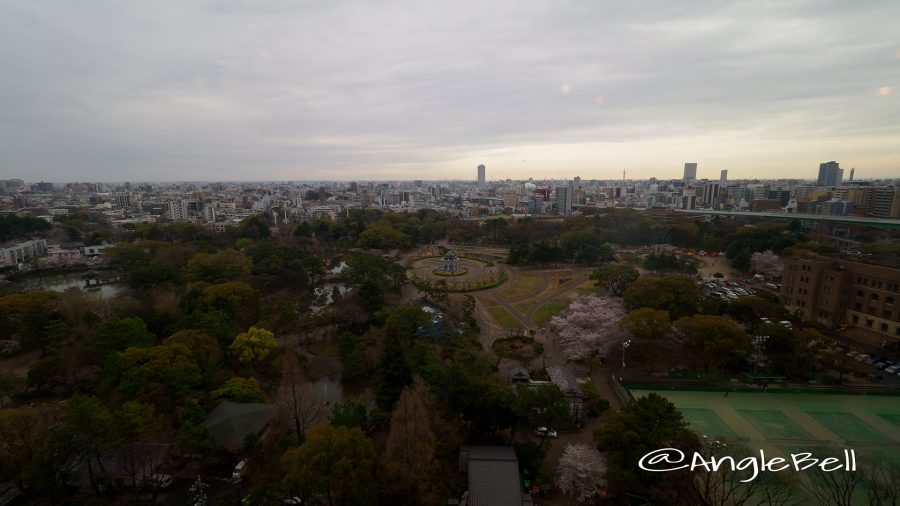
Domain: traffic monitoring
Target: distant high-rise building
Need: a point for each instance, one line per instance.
(577, 180)
(830, 174)
(481, 178)
(690, 171)
(723, 176)
(563, 196)
(852, 171)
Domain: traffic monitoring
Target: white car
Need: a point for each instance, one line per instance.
(238, 474)
(161, 480)
(545, 432)
(894, 369)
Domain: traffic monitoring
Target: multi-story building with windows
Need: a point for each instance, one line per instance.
(838, 292)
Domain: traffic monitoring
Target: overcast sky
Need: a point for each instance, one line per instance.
(283, 89)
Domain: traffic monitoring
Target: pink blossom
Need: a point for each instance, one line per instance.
(581, 473)
(589, 326)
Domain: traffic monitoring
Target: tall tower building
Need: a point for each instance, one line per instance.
(723, 176)
(690, 171)
(563, 196)
(830, 174)
(852, 171)
(481, 174)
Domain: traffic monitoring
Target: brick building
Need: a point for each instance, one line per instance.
(838, 292)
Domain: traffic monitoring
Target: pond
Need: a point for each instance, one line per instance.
(325, 372)
(324, 295)
(61, 281)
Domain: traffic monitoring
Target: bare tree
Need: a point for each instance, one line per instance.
(724, 486)
(409, 453)
(833, 489)
(883, 480)
(298, 400)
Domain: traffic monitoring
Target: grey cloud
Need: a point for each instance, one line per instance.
(245, 89)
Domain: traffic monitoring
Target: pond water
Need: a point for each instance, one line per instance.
(61, 281)
(324, 294)
(327, 384)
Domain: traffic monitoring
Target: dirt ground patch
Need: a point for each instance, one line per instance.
(18, 366)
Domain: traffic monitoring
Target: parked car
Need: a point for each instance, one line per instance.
(161, 480)
(773, 286)
(238, 474)
(894, 369)
(880, 365)
(545, 432)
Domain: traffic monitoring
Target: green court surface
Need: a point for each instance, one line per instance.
(868, 423)
(774, 424)
(849, 427)
(894, 418)
(707, 422)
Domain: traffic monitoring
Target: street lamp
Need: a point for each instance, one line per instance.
(625, 346)
(759, 341)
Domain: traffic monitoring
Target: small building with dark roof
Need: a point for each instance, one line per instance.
(493, 475)
(563, 377)
(230, 422)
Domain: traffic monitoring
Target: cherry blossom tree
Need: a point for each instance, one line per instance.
(589, 326)
(766, 263)
(581, 473)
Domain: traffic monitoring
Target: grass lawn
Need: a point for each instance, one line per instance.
(523, 306)
(504, 318)
(524, 285)
(547, 311)
(586, 288)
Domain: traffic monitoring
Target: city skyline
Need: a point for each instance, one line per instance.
(237, 91)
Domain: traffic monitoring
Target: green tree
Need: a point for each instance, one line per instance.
(543, 406)
(647, 424)
(219, 267)
(255, 227)
(353, 357)
(646, 323)
(89, 427)
(676, 294)
(240, 301)
(335, 463)
(350, 414)
(382, 235)
(394, 373)
(25, 454)
(254, 345)
(204, 348)
(715, 340)
(158, 373)
(404, 323)
(118, 334)
(239, 390)
(614, 277)
(371, 296)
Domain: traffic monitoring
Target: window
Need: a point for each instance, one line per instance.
(870, 322)
(859, 293)
(889, 301)
(857, 306)
(855, 318)
(887, 314)
(874, 296)
(884, 327)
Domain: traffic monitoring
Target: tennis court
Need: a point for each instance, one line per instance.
(870, 424)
